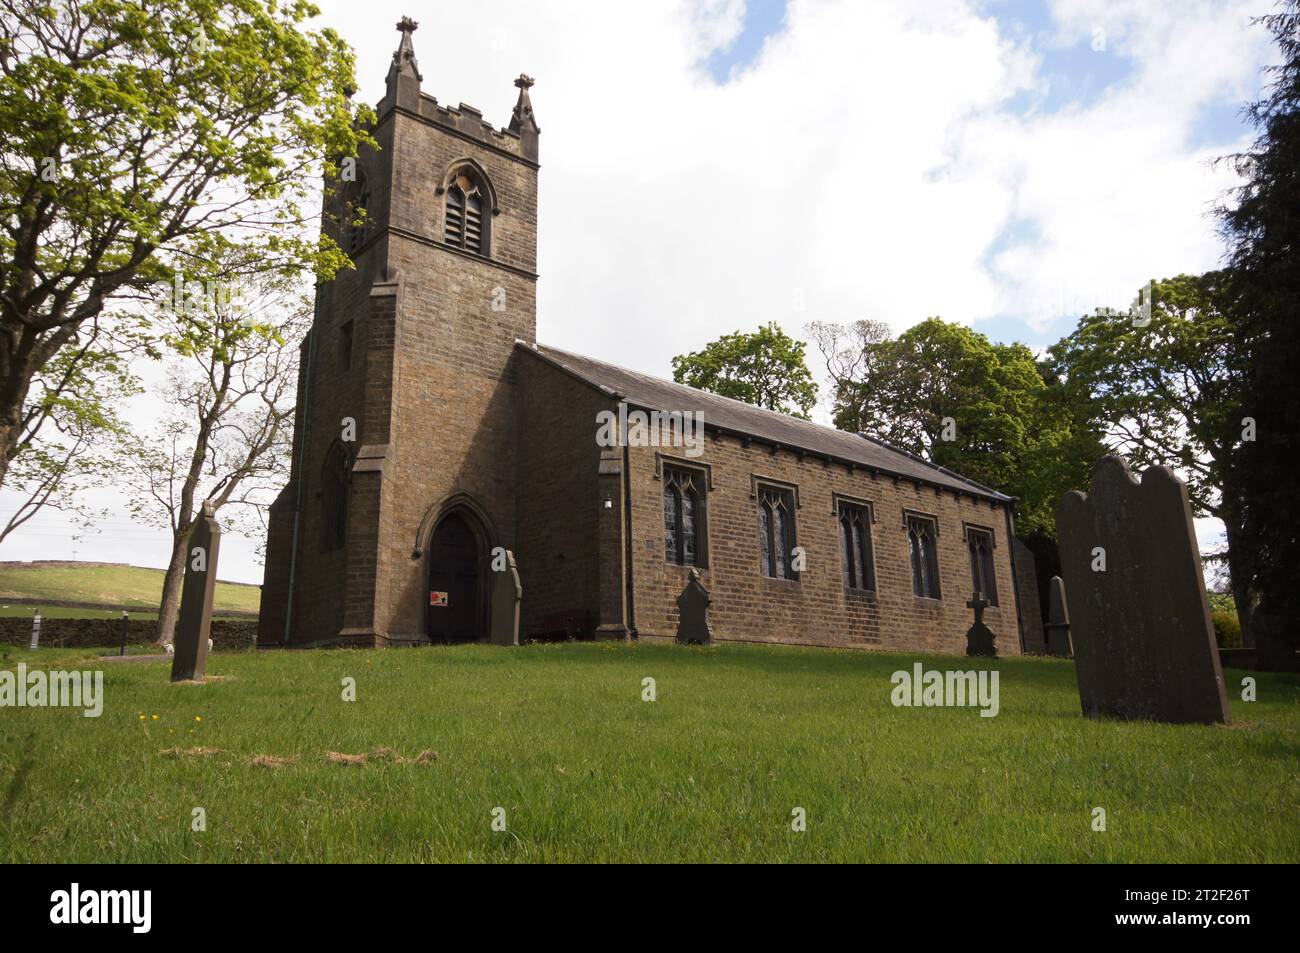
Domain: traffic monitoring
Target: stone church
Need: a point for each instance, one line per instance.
(434, 432)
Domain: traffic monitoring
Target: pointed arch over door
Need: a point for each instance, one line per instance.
(458, 580)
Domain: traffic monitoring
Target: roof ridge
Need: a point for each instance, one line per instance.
(698, 390)
(556, 356)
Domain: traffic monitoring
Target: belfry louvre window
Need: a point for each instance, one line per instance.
(465, 226)
(922, 541)
(983, 579)
(776, 531)
(855, 546)
(684, 517)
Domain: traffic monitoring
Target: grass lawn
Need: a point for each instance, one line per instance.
(559, 737)
(132, 587)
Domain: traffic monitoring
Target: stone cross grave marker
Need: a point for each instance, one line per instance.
(506, 594)
(693, 613)
(190, 658)
(979, 637)
(1058, 620)
(1140, 618)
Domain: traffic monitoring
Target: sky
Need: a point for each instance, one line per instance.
(708, 166)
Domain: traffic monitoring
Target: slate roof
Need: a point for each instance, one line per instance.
(737, 417)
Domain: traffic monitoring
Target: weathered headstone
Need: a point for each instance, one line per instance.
(693, 613)
(979, 637)
(506, 593)
(1140, 617)
(1058, 620)
(190, 657)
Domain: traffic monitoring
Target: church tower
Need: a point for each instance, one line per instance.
(403, 477)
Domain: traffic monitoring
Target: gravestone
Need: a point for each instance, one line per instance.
(1140, 618)
(190, 654)
(1058, 620)
(506, 594)
(693, 613)
(979, 637)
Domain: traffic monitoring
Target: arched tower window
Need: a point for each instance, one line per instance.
(358, 203)
(334, 499)
(468, 212)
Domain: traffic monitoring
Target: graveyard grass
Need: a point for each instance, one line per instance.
(559, 737)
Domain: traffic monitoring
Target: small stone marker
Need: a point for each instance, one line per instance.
(1058, 620)
(506, 594)
(1143, 642)
(192, 630)
(126, 630)
(693, 613)
(979, 637)
(36, 629)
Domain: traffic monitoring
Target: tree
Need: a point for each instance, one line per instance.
(141, 136)
(765, 368)
(72, 435)
(227, 437)
(1165, 391)
(1263, 228)
(948, 394)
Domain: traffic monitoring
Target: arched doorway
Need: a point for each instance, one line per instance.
(455, 610)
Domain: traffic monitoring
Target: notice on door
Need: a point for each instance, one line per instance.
(437, 598)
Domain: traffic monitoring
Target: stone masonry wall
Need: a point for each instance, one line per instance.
(817, 609)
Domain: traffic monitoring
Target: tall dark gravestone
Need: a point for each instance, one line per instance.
(1058, 620)
(1139, 614)
(506, 595)
(693, 626)
(191, 644)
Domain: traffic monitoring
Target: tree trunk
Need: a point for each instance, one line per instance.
(1239, 578)
(170, 607)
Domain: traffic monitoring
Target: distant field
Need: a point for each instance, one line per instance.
(130, 587)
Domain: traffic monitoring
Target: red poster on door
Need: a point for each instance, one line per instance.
(437, 598)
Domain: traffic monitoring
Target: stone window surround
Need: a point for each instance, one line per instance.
(756, 482)
(966, 526)
(705, 474)
(933, 519)
(838, 498)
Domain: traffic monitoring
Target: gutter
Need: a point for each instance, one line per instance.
(627, 536)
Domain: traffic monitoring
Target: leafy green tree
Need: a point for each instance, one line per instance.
(225, 437)
(988, 411)
(765, 368)
(142, 135)
(1263, 227)
(1164, 389)
(72, 435)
